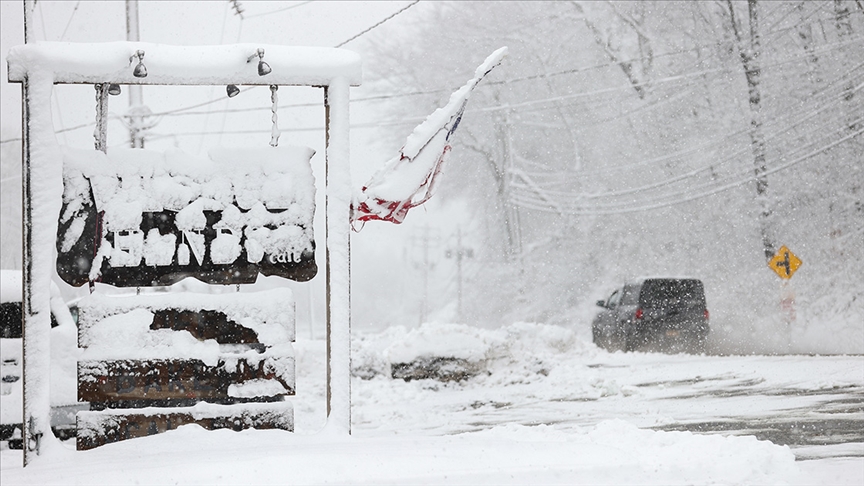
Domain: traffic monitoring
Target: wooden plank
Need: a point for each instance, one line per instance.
(203, 325)
(104, 427)
(103, 382)
(261, 319)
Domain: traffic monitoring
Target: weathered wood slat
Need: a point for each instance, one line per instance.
(104, 427)
(265, 317)
(204, 324)
(141, 381)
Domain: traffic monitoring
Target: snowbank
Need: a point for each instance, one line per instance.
(521, 348)
(613, 452)
(556, 430)
(11, 282)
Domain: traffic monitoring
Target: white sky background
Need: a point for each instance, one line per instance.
(380, 250)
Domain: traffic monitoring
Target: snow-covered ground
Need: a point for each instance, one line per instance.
(545, 408)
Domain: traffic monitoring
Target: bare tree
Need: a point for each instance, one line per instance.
(613, 47)
(749, 53)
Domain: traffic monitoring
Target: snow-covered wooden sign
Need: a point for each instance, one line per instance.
(131, 243)
(153, 362)
(142, 218)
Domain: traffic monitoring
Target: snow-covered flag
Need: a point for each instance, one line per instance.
(408, 180)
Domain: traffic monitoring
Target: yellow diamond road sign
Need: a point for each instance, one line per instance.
(784, 263)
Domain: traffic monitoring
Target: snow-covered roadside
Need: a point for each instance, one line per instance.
(613, 452)
(501, 427)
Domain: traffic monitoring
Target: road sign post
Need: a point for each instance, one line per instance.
(785, 263)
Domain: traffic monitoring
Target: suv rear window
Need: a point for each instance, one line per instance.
(631, 295)
(672, 293)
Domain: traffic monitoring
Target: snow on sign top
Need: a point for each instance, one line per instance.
(114, 62)
(278, 178)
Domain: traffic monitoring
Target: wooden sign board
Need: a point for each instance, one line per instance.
(146, 219)
(163, 382)
(100, 428)
(257, 320)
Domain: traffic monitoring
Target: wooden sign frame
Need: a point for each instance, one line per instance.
(37, 67)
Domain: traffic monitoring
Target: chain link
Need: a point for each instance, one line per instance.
(274, 132)
(100, 133)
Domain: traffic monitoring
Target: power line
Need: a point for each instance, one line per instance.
(553, 99)
(530, 203)
(776, 9)
(776, 23)
(823, 103)
(238, 10)
(77, 4)
(415, 2)
(731, 185)
(294, 129)
(407, 121)
(557, 99)
(503, 107)
(277, 10)
(562, 179)
(444, 90)
(571, 198)
(575, 202)
(779, 132)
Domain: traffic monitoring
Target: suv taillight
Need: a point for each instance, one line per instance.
(706, 314)
(638, 313)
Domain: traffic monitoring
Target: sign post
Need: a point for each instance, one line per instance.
(785, 263)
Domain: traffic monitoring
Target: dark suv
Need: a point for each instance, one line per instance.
(666, 314)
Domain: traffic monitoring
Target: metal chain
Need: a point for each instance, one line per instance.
(100, 133)
(274, 132)
(98, 129)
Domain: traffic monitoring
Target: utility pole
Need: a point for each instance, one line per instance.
(137, 110)
(29, 5)
(459, 252)
(459, 273)
(425, 239)
(424, 302)
(750, 62)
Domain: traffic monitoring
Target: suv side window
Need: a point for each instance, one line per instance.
(614, 299)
